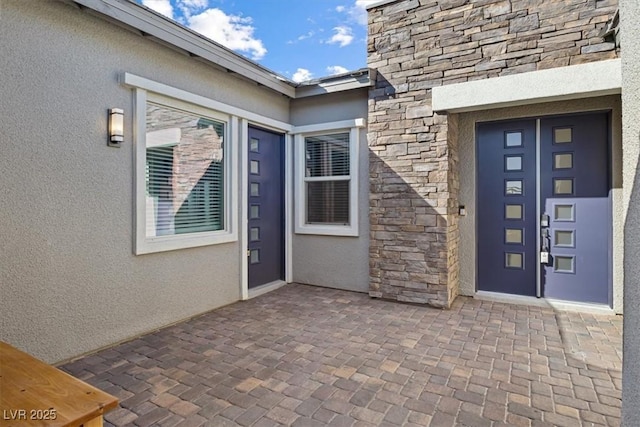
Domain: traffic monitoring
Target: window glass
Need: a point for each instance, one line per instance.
(562, 135)
(564, 237)
(513, 163)
(255, 234)
(184, 172)
(513, 139)
(563, 212)
(513, 211)
(254, 145)
(513, 235)
(327, 176)
(513, 260)
(563, 160)
(513, 187)
(327, 155)
(562, 186)
(563, 264)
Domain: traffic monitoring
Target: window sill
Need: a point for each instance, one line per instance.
(172, 243)
(328, 230)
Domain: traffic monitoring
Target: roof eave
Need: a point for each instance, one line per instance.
(362, 78)
(165, 30)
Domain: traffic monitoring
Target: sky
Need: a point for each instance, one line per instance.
(299, 39)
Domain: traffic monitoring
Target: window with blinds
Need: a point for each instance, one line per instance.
(184, 173)
(327, 179)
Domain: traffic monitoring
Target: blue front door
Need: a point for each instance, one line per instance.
(266, 207)
(544, 222)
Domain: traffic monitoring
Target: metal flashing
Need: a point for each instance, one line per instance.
(347, 81)
(380, 3)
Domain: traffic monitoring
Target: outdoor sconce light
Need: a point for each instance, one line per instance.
(116, 127)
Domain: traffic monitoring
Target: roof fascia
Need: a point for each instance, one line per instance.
(380, 3)
(161, 28)
(363, 78)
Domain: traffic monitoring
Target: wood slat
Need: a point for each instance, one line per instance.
(28, 384)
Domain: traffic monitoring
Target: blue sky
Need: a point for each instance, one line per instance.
(300, 39)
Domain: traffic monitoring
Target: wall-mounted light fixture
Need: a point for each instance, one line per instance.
(116, 127)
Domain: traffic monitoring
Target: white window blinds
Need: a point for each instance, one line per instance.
(184, 172)
(327, 179)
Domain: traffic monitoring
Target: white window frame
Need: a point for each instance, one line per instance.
(300, 133)
(229, 233)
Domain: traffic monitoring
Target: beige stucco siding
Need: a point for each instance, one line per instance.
(468, 173)
(335, 261)
(69, 282)
(630, 17)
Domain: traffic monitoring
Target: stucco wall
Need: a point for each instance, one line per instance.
(467, 138)
(335, 261)
(69, 280)
(630, 16)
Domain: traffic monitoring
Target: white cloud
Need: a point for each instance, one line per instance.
(189, 7)
(234, 32)
(301, 75)
(336, 69)
(195, 4)
(358, 11)
(306, 36)
(161, 6)
(343, 36)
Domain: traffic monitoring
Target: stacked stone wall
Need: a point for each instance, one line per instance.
(416, 45)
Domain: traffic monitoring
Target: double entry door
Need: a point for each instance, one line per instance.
(544, 212)
(266, 207)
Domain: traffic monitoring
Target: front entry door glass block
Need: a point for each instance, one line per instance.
(564, 212)
(513, 187)
(255, 234)
(512, 163)
(562, 135)
(513, 139)
(564, 238)
(513, 260)
(563, 160)
(563, 264)
(562, 186)
(255, 167)
(513, 235)
(254, 145)
(513, 212)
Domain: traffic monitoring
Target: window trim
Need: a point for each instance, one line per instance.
(300, 133)
(144, 244)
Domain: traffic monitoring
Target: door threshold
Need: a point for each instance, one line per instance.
(267, 287)
(559, 305)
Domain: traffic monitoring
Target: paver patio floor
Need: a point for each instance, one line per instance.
(308, 356)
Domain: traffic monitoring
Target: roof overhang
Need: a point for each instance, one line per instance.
(362, 78)
(555, 84)
(155, 25)
(149, 23)
(380, 3)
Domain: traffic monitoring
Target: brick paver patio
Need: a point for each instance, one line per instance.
(308, 356)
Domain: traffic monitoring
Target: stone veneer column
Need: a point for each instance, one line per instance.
(415, 45)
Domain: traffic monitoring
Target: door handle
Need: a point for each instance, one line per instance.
(545, 242)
